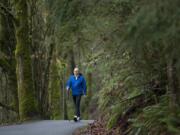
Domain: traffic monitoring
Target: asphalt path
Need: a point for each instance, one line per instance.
(45, 127)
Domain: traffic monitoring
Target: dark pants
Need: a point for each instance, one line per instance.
(77, 100)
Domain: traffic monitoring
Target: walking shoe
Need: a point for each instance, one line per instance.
(75, 118)
(78, 118)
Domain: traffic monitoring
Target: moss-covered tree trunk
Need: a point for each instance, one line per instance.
(7, 62)
(26, 94)
(45, 95)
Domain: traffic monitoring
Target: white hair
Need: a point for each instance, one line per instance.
(76, 68)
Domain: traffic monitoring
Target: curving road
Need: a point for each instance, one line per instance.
(45, 127)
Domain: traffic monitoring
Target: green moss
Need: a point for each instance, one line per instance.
(7, 49)
(26, 93)
(55, 93)
(27, 104)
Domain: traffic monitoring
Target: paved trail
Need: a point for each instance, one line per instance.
(45, 127)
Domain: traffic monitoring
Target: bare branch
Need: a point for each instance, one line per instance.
(7, 11)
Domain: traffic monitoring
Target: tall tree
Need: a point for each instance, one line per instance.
(7, 56)
(26, 93)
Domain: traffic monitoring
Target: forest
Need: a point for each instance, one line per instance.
(127, 50)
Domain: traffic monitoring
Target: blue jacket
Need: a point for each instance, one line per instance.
(78, 86)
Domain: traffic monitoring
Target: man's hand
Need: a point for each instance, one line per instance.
(85, 96)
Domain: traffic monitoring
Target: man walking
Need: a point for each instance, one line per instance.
(77, 83)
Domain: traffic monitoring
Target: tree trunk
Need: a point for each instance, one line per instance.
(26, 93)
(65, 111)
(71, 61)
(45, 95)
(7, 45)
(173, 86)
